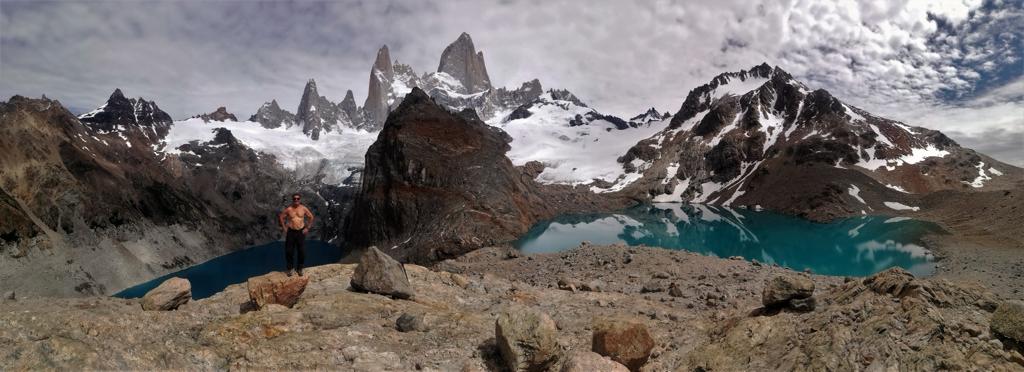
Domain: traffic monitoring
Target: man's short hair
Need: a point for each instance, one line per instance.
(297, 194)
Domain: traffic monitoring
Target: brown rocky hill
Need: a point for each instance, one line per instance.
(759, 137)
(89, 207)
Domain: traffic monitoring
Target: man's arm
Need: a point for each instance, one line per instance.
(280, 218)
(310, 223)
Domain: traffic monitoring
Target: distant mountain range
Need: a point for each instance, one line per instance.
(125, 184)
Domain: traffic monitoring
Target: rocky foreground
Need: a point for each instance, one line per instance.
(645, 309)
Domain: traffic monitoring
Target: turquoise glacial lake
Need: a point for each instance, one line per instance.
(857, 246)
(211, 277)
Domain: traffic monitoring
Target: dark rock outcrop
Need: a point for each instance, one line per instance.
(143, 118)
(780, 289)
(317, 114)
(220, 114)
(271, 116)
(437, 185)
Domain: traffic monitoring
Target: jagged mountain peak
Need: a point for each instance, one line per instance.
(383, 63)
(462, 61)
(117, 94)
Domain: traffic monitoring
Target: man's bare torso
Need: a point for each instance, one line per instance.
(295, 217)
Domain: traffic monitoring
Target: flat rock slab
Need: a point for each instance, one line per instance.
(276, 288)
(379, 273)
(169, 295)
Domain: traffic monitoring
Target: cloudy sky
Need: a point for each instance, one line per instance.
(953, 65)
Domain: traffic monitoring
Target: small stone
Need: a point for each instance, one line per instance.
(675, 290)
(781, 288)
(653, 286)
(588, 361)
(661, 275)
(596, 285)
(527, 340)
(803, 304)
(1008, 320)
(11, 296)
(379, 273)
(807, 270)
(755, 262)
(634, 276)
(276, 288)
(512, 254)
(625, 341)
(736, 258)
(460, 280)
(274, 308)
(169, 295)
(411, 322)
(628, 258)
(568, 284)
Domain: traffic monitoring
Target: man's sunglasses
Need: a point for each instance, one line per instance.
(296, 198)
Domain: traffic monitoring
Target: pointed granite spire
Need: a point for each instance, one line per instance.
(461, 60)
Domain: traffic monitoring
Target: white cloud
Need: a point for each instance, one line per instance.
(621, 57)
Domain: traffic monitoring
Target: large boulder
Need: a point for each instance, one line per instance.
(169, 295)
(1008, 321)
(437, 184)
(588, 361)
(379, 273)
(527, 340)
(276, 288)
(624, 340)
(780, 289)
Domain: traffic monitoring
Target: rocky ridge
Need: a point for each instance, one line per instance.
(760, 138)
(94, 205)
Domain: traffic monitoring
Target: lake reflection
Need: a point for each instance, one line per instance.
(857, 246)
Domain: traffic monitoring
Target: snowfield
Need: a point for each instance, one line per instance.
(343, 150)
(571, 155)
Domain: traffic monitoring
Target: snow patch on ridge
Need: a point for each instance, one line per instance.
(292, 148)
(901, 207)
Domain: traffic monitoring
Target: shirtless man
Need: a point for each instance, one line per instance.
(295, 227)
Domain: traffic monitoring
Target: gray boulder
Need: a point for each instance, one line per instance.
(527, 340)
(379, 273)
(169, 295)
(1008, 321)
(781, 288)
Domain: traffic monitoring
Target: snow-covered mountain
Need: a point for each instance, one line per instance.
(759, 137)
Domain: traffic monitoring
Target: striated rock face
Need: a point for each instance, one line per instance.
(382, 73)
(221, 114)
(276, 288)
(169, 295)
(437, 184)
(461, 60)
(625, 341)
(760, 137)
(271, 116)
(527, 340)
(379, 273)
(84, 210)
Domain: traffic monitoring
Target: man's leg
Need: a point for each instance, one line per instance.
(301, 248)
(289, 249)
